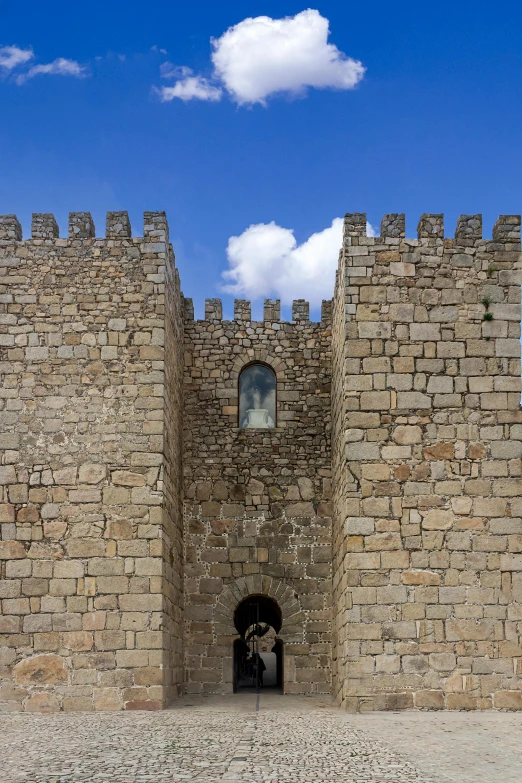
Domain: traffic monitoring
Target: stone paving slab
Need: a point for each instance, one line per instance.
(271, 740)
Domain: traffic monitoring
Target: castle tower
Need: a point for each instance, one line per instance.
(90, 484)
(427, 446)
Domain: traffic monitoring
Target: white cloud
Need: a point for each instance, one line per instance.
(189, 88)
(265, 260)
(261, 56)
(168, 70)
(12, 56)
(60, 67)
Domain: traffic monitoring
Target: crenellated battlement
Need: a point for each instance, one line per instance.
(81, 227)
(364, 258)
(431, 228)
(271, 311)
(374, 260)
(393, 227)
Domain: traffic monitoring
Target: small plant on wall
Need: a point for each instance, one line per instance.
(488, 316)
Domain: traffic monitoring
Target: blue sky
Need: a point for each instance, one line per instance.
(433, 125)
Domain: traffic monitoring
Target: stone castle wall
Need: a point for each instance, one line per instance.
(427, 446)
(90, 597)
(383, 513)
(257, 511)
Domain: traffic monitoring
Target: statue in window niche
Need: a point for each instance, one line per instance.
(257, 416)
(257, 397)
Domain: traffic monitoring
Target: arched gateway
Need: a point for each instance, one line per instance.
(258, 653)
(258, 599)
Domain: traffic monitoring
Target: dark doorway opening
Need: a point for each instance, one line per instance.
(258, 653)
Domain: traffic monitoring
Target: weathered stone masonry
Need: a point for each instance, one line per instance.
(91, 522)
(135, 513)
(426, 465)
(257, 511)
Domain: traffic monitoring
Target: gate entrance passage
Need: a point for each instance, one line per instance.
(258, 653)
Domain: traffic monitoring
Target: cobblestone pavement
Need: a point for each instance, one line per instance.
(286, 740)
(454, 747)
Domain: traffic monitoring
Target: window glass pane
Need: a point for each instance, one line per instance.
(257, 397)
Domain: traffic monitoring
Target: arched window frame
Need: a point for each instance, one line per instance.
(256, 363)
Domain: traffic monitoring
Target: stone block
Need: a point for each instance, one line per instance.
(91, 473)
(413, 401)
(431, 700)
(44, 703)
(377, 400)
(359, 526)
(109, 640)
(12, 550)
(421, 578)
(461, 701)
(424, 332)
(401, 269)
(107, 699)
(40, 670)
(437, 519)
(508, 700)
(7, 474)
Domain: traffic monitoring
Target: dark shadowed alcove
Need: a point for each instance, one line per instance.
(258, 654)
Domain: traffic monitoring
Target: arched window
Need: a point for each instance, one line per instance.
(257, 397)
